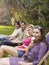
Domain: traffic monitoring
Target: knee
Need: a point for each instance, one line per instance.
(3, 46)
(1, 52)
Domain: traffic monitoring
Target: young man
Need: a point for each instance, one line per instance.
(20, 37)
(8, 38)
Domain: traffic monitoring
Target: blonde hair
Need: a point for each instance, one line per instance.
(30, 26)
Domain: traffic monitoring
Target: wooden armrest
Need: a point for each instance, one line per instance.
(44, 59)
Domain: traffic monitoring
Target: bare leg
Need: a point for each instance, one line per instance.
(4, 61)
(10, 50)
(1, 53)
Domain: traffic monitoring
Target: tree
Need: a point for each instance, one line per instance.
(31, 11)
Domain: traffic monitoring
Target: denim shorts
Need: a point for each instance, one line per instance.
(20, 53)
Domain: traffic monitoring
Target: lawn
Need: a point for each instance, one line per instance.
(7, 30)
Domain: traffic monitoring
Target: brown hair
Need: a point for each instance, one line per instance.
(42, 32)
(18, 23)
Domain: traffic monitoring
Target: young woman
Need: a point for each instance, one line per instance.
(34, 55)
(18, 51)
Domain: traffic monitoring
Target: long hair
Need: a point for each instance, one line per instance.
(42, 32)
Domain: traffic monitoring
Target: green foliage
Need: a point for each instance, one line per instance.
(0, 0)
(31, 11)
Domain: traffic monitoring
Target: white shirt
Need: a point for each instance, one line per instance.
(16, 32)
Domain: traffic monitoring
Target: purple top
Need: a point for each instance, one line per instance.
(36, 53)
(47, 40)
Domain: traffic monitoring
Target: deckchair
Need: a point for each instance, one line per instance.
(44, 59)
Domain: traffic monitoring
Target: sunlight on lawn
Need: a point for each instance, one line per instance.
(6, 26)
(6, 29)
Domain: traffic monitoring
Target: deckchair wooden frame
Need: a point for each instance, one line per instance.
(44, 59)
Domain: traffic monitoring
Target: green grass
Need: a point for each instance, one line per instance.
(48, 61)
(6, 29)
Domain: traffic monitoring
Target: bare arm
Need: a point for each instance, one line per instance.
(30, 46)
(17, 41)
(22, 49)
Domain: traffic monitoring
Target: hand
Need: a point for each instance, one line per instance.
(5, 36)
(24, 63)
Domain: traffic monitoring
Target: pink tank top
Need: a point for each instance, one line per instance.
(26, 42)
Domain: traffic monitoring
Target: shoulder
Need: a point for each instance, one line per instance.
(43, 44)
(28, 38)
(19, 29)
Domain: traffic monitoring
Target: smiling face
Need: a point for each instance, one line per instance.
(23, 25)
(30, 31)
(36, 34)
